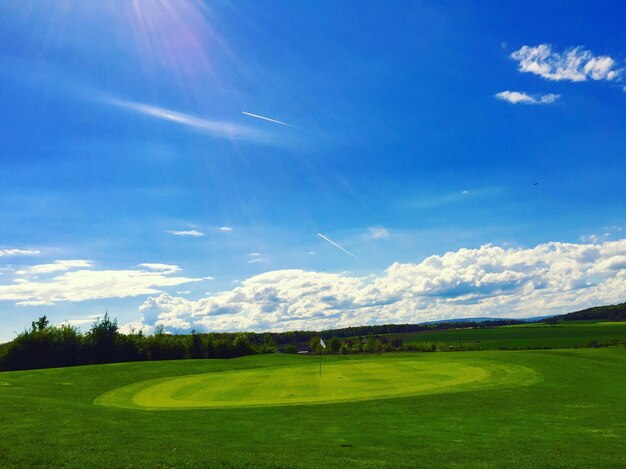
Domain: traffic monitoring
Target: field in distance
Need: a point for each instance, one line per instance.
(566, 334)
(539, 408)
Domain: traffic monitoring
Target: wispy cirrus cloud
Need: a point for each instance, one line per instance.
(429, 201)
(192, 233)
(518, 97)
(8, 252)
(256, 258)
(215, 128)
(56, 266)
(573, 64)
(169, 268)
(378, 232)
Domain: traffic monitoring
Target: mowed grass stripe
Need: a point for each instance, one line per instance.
(341, 381)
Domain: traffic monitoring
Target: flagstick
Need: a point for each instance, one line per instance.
(321, 349)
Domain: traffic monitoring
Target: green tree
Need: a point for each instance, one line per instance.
(41, 324)
(315, 346)
(269, 344)
(334, 344)
(370, 344)
(197, 347)
(103, 335)
(241, 344)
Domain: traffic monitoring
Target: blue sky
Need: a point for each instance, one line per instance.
(132, 180)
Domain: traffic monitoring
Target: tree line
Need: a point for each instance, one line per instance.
(45, 345)
(609, 313)
(291, 337)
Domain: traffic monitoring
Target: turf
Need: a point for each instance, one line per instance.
(567, 334)
(335, 381)
(574, 416)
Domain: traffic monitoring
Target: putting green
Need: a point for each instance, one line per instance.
(341, 381)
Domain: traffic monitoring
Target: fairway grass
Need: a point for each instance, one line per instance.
(339, 381)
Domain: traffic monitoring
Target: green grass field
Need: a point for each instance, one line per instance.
(544, 408)
(336, 381)
(565, 335)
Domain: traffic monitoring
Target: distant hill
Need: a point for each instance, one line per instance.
(610, 313)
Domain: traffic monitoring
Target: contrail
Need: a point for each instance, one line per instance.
(337, 246)
(267, 119)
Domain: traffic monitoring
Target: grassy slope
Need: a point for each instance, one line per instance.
(574, 417)
(564, 335)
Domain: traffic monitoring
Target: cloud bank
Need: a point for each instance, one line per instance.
(573, 64)
(489, 281)
(79, 281)
(518, 97)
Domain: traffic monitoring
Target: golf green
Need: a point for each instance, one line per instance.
(339, 381)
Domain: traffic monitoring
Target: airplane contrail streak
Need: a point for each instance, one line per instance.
(337, 246)
(267, 119)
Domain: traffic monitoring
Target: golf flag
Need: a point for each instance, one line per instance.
(322, 343)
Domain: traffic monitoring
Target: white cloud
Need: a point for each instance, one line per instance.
(18, 252)
(592, 238)
(489, 281)
(573, 64)
(169, 268)
(194, 233)
(257, 260)
(225, 229)
(378, 232)
(515, 97)
(81, 321)
(216, 128)
(56, 266)
(78, 283)
(135, 327)
(418, 201)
